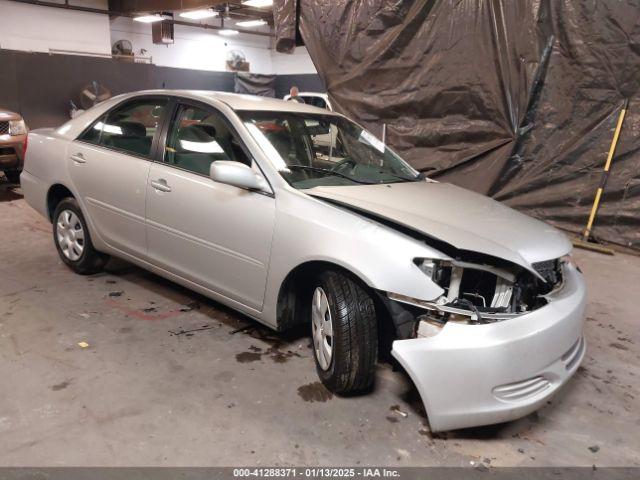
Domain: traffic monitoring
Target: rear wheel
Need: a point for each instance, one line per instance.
(72, 239)
(344, 333)
(13, 176)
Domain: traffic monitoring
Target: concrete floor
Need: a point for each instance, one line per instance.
(165, 381)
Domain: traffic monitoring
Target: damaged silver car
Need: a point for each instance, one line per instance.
(244, 200)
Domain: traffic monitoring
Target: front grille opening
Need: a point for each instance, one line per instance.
(7, 151)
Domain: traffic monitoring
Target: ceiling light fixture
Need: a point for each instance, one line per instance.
(227, 32)
(258, 3)
(200, 14)
(149, 18)
(251, 23)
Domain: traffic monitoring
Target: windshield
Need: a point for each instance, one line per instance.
(311, 150)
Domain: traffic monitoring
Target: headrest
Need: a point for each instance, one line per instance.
(132, 129)
(196, 133)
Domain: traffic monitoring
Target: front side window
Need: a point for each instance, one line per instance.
(312, 150)
(200, 136)
(129, 128)
(92, 134)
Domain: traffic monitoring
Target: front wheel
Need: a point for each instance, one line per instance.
(72, 239)
(344, 333)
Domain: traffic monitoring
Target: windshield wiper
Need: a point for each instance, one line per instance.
(414, 179)
(327, 171)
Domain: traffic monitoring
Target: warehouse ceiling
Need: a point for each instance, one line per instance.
(236, 9)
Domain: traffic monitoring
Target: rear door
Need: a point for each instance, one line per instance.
(109, 166)
(216, 235)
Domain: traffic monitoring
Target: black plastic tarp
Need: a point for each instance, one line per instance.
(517, 99)
(255, 84)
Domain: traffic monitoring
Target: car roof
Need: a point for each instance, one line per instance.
(238, 101)
(313, 94)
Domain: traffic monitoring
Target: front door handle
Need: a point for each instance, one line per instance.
(161, 185)
(78, 158)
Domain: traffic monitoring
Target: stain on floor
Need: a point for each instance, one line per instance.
(247, 357)
(61, 386)
(314, 392)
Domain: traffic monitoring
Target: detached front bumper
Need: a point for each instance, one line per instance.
(470, 375)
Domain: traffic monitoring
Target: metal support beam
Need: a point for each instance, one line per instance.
(114, 13)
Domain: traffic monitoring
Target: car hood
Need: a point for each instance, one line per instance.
(6, 115)
(459, 217)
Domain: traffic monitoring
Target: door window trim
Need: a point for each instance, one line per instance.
(156, 135)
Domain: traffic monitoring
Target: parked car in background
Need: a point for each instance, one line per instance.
(234, 197)
(13, 143)
(319, 100)
(315, 99)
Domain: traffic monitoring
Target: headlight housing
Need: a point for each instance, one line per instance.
(570, 260)
(427, 266)
(17, 127)
(437, 270)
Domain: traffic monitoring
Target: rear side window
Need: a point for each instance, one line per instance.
(129, 128)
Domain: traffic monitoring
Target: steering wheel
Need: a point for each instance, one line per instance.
(342, 163)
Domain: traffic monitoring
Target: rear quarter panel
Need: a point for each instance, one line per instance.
(44, 166)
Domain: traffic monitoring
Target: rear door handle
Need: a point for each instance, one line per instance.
(161, 185)
(78, 158)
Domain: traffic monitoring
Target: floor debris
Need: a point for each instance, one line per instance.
(241, 329)
(189, 333)
(396, 409)
(83, 344)
(190, 306)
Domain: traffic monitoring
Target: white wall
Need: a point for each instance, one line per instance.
(194, 48)
(297, 62)
(201, 49)
(38, 29)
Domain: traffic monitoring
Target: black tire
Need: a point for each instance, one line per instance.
(13, 176)
(89, 261)
(355, 338)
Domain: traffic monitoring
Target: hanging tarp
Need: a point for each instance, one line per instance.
(515, 99)
(255, 84)
(284, 19)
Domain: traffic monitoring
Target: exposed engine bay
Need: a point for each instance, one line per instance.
(478, 293)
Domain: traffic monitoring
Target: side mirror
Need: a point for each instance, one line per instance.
(237, 174)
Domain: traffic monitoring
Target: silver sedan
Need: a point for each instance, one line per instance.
(296, 215)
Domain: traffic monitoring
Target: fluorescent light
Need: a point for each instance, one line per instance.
(199, 14)
(251, 23)
(258, 3)
(228, 32)
(149, 18)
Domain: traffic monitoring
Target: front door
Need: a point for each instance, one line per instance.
(109, 166)
(215, 235)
